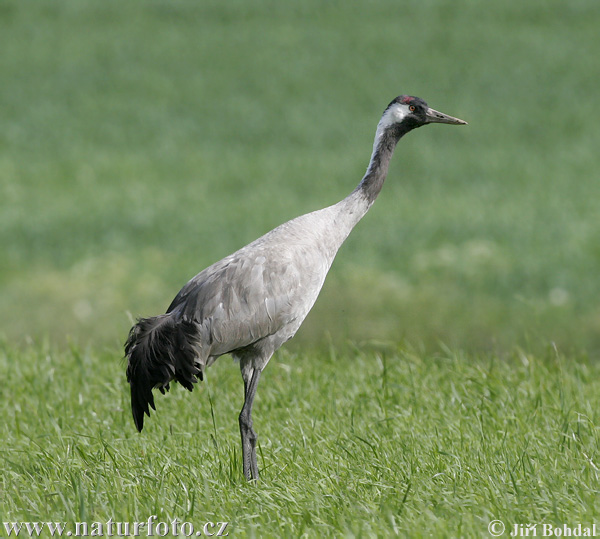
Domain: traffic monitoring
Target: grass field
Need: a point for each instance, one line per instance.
(376, 443)
(448, 374)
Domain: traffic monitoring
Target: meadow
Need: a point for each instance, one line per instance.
(448, 374)
(375, 443)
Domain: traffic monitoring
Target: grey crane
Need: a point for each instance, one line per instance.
(254, 300)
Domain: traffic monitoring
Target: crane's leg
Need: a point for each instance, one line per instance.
(249, 437)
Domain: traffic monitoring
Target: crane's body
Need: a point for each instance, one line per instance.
(251, 302)
(260, 294)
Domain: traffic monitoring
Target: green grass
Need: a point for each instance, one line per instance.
(379, 442)
(142, 141)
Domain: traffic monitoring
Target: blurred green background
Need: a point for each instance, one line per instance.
(142, 141)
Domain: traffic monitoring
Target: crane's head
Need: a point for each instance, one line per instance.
(410, 112)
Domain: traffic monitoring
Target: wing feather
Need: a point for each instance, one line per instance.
(267, 287)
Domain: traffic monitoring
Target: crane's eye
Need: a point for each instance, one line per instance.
(412, 108)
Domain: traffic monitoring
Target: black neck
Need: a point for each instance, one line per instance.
(372, 182)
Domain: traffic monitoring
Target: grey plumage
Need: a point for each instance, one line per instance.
(252, 301)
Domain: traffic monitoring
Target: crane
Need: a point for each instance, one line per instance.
(251, 302)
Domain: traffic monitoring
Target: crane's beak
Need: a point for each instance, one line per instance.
(435, 117)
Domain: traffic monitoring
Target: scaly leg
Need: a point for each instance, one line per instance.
(249, 437)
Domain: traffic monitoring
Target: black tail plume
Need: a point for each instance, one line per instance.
(160, 349)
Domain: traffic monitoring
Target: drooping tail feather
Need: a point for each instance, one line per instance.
(160, 349)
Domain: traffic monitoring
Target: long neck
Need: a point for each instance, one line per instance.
(386, 139)
(357, 203)
(348, 212)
